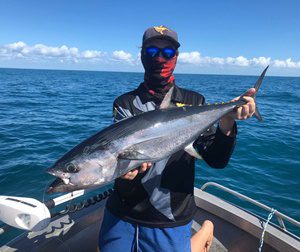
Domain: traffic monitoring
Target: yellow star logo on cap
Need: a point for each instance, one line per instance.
(160, 29)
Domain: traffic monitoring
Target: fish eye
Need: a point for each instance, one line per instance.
(71, 168)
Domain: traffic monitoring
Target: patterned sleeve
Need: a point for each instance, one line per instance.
(120, 113)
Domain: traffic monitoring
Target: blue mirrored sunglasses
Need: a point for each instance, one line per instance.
(167, 52)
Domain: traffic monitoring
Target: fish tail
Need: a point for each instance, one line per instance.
(258, 115)
(256, 87)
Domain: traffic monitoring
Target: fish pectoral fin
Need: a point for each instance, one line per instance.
(141, 151)
(191, 150)
(131, 154)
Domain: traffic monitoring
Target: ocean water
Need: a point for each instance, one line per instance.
(44, 113)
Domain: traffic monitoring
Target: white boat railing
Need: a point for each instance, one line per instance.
(280, 216)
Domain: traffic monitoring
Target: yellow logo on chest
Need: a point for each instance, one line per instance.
(179, 104)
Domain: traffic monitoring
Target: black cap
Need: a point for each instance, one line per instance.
(162, 32)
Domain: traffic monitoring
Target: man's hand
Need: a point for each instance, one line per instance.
(241, 113)
(132, 174)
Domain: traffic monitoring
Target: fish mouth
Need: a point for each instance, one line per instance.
(65, 177)
(51, 171)
(55, 185)
(60, 185)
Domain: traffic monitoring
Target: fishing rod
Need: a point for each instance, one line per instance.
(30, 214)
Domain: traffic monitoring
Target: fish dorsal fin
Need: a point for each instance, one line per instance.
(166, 103)
(191, 150)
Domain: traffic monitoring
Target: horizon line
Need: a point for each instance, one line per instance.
(109, 71)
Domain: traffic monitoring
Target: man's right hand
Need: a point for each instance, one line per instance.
(132, 174)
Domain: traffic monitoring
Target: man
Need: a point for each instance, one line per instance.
(152, 209)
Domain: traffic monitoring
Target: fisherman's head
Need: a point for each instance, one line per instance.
(159, 56)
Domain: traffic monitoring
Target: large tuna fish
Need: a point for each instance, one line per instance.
(125, 145)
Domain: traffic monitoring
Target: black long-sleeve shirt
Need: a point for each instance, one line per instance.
(163, 195)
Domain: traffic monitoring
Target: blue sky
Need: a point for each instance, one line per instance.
(226, 37)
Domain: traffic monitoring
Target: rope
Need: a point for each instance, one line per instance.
(261, 242)
(86, 203)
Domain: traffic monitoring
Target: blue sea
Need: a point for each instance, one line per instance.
(44, 113)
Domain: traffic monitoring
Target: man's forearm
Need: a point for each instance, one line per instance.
(226, 126)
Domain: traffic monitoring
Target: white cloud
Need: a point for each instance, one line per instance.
(16, 46)
(41, 51)
(91, 54)
(261, 61)
(49, 51)
(195, 58)
(74, 51)
(241, 61)
(215, 60)
(64, 54)
(122, 56)
(288, 63)
(189, 57)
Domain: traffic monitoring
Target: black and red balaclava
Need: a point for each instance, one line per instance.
(159, 78)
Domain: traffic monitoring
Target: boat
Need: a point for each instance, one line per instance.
(76, 228)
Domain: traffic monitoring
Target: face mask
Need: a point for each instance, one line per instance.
(159, 66)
